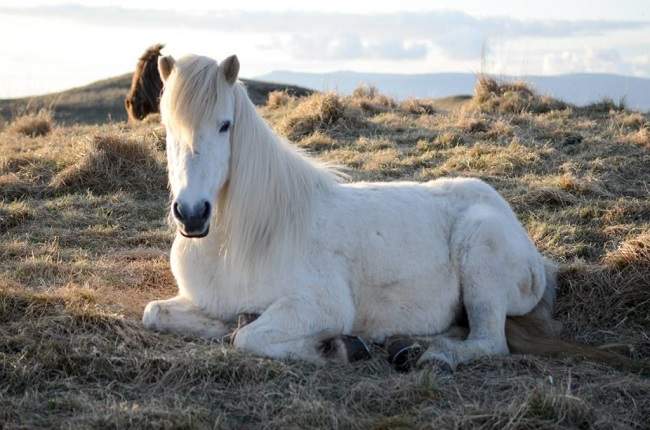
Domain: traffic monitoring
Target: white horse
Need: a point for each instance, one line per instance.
(262, 228)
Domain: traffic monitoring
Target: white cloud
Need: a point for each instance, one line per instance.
(458, 35)
(586, 60)
(350, 46)
(402, 42)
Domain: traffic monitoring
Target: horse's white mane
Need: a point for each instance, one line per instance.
(190, 95)
(265, 208)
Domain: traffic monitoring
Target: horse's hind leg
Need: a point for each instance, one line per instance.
(179, 315)
(499, 274)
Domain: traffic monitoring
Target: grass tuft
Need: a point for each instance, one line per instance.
(278, 99)
(33, 124)
(111, 163)
(633, 252)
(417, 107)
(315, 113)
(369, 99)
(491, 95)
(13, 214)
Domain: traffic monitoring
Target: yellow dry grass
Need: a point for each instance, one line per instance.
(84, 244)
(33, 124)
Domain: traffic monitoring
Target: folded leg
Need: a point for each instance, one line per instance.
(179, 315)
(295, 327)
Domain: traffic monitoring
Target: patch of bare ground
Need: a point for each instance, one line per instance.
(84, 245)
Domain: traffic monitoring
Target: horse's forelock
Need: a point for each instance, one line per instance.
(190, 94)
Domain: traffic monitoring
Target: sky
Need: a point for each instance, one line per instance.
(54, 45)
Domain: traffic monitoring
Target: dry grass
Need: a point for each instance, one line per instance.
(316, 112)
(641, 137)
(317, 141)
(278, 99)
(417, 107)
(33, 124)
(509, 160)
(633, 252)
(369, 99)
(84, 245)
(111, 163)
(491, 95)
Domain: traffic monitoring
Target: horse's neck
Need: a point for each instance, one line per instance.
(267, 205)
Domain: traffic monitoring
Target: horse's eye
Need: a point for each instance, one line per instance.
(224, 127)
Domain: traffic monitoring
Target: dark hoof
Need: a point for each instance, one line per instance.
(403, 353)
(347, 349)
(245, 319)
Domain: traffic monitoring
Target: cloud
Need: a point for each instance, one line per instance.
(339, 36)
(586, 60)
(350, 46)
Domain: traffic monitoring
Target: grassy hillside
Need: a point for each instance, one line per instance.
(103, 101)
(84, 245)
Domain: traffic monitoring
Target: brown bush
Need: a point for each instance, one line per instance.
(316, 112)
(111, 163)
(369, 99)
(491, 95)
(605, 105)
(417, 107)
(33, 124)
(278, 99)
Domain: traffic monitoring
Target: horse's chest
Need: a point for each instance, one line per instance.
(201, 277)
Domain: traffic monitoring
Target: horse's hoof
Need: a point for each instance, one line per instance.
(403, 353)
(435, 360)
(245, 319)
(344, 348)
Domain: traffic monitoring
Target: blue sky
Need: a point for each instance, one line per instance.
(57, 44)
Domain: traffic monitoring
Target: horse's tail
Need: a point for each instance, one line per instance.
(537, 333)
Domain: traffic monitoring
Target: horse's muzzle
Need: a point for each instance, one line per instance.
(193, 222)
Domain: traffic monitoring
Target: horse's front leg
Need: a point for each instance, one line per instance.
(179, 315)
(296, 327)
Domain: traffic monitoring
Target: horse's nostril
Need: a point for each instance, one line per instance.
(206, 210)
(177, 211)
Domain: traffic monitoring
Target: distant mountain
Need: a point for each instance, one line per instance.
(103, 101)
(579, 89)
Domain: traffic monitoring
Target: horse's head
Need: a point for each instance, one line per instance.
(146, 85)
(198, 110)
(133, 108)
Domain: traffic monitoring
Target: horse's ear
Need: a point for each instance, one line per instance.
(165, 66)
(230, 67)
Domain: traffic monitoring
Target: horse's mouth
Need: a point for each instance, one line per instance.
(195, 235)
